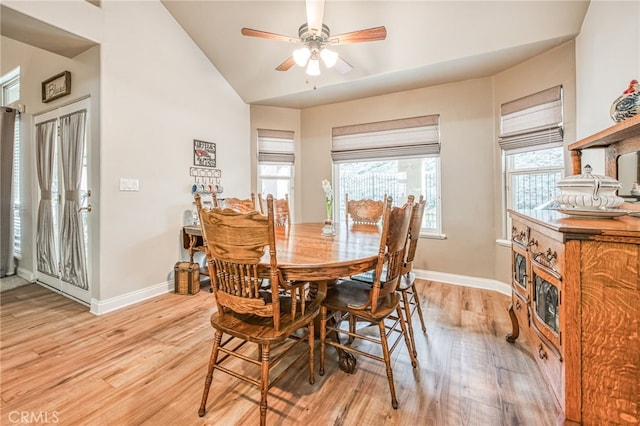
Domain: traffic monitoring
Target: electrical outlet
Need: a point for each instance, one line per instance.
(129, 184)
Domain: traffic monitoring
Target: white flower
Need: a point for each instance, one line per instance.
(328, 192)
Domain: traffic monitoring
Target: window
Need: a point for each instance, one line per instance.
(9, 95)
(394, 158)
(532, 142)
(276, 159)
(532, 177)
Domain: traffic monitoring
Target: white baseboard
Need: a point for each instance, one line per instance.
(464, 280)
(26, 274)
(101, 307)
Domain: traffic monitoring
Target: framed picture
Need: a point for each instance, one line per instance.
(57, 86)
(204, 153)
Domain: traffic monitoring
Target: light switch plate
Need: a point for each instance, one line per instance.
(129, 184)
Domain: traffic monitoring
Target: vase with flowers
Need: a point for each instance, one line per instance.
(328, 230)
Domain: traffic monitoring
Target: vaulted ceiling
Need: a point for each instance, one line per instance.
(428, 43)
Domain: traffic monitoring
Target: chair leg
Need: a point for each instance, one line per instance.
(403, 325)
(310, 338)
(387, 361)
(264, 384)
(407, 309)
(416, 299)
(212, 364)
(352, 328)
(323, 335)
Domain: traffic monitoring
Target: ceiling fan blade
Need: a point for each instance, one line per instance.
(270, 36)
(287, 64)
(342, 66)
(315, 13)
(369, 34)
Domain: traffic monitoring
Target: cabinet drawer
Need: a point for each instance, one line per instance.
(519, 233)
(521, 309)
(550, 365)
(547, 252)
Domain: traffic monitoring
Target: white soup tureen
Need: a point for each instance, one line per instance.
(587, 191)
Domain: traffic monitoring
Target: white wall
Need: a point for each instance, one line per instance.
(607, 58)
(158, 92)
(466, 128)
(470, 159)
(552, 68)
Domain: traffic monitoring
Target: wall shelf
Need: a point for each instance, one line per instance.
(616, 133)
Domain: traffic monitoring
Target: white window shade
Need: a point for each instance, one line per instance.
(404, 138)
(276, 146)
(532, 121)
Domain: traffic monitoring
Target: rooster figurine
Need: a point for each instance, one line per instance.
(628, 104)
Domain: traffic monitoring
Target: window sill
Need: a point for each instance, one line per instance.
(503, 243)
(433, 236)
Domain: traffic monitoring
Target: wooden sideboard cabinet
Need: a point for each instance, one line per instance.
(576, 302)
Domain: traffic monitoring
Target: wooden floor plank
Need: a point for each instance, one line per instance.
(145, 364)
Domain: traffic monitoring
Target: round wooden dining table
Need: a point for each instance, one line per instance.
(303, 253)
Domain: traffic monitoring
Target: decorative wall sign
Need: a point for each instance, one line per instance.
(57, 86)
(204, 153)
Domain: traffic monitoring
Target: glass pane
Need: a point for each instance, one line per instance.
(530, 190)
(548, 157)
(395, 178)
(17, 222)
(11, 92)
(546, 303)
(84, 202)
(520, 269)
(56, 200)
(276, 187)
(275, 169)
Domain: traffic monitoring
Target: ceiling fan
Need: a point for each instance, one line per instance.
(315, 38)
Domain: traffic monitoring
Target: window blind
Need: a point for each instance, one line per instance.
(276, 146)
(408, 137)
(532, 121)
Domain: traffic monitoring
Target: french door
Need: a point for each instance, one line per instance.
(62, 225)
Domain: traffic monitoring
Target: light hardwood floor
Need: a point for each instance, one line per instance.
(146, 365)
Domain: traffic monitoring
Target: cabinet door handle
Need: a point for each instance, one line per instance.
(518, 305)
(541, 352)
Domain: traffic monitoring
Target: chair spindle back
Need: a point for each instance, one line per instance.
(395, 229)
(235, 243)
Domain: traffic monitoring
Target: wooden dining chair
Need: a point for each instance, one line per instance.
(239, 204)
(282, 214)
(363, 212)
(410, 300)
(407, 285)
(235, 244)
(373, 304)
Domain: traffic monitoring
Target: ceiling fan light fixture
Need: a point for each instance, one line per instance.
(301, 56)
(313, 67)
(329, 57)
